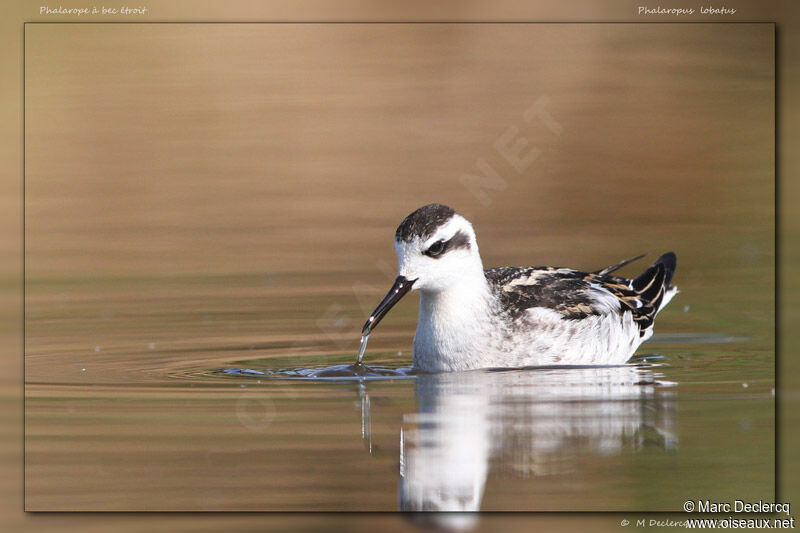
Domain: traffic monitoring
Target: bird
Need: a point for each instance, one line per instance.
(513, 317)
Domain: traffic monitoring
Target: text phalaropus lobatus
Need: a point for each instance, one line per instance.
(514, 316)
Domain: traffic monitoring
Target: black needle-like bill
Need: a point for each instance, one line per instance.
(399, 289)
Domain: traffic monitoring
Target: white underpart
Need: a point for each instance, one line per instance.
(595, 340)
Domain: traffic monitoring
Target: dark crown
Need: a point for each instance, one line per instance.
(423, 222)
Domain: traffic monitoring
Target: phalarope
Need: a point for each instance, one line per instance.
(514, 316)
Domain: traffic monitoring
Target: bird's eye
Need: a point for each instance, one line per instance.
(435, 249)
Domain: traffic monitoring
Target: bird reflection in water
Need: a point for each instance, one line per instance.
(532, 423)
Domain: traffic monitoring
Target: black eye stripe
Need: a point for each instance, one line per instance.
(459, 240)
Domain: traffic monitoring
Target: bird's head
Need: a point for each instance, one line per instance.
(436, 250)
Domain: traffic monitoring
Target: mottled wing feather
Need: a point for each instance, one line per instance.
(563, 290)
(577, 294)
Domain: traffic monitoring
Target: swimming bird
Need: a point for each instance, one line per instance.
(508, 317)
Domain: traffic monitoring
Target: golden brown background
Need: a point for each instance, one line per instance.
(200, 195)
(411, 168)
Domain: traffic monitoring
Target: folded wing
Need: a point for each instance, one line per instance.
(576, 294)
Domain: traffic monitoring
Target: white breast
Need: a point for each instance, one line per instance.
(452, 336)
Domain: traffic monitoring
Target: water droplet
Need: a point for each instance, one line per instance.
(83, 370)
(151, 346)
(362, 347)
(686, 308)
(745, 385)
(96, 348)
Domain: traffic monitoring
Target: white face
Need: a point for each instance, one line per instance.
(441, 260)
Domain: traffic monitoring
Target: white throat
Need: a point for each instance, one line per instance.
(454, 324)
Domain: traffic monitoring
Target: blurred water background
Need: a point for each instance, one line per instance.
(202, 197)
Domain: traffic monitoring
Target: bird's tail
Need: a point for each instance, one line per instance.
(654, 285)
